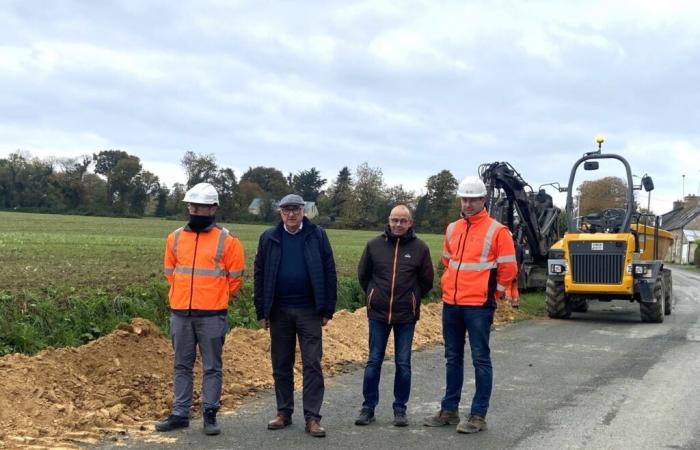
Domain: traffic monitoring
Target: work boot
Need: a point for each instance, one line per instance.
(173, 422)
(472, 424)
(279, 422)
(211, 427)
(365, 418)
(442, 418)
(314, 428)
(400, 419)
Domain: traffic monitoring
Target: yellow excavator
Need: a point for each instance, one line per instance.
(614, 254)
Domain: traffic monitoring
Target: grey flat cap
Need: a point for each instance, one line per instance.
(291, 200)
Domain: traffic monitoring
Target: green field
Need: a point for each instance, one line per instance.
(68, 279)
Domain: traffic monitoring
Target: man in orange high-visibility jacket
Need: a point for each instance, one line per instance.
(204, 266)
(479, 260)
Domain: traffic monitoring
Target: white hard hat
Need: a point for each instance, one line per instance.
(202, 193)
(471, 187)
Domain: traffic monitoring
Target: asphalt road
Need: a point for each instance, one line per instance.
(602, 380)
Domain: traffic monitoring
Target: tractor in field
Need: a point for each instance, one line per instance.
(613, 254)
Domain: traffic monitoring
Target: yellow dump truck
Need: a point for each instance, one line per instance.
(614, 254)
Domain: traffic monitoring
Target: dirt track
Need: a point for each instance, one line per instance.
(121, 383)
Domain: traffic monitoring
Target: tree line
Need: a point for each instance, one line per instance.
(115, 183)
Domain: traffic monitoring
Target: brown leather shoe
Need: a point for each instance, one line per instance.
(279, 422)
(314, 428)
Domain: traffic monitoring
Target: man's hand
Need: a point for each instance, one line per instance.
(324, 321)
(264, 324)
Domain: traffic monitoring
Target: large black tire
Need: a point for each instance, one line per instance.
(556, 300)
(579, 306)
(668, 292)
(654, 312)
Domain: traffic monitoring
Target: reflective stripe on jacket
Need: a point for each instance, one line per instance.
(479, 259)
(203, 268)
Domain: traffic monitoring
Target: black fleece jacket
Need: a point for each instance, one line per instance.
(395, 272)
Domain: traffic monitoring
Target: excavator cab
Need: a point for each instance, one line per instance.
(609, 254)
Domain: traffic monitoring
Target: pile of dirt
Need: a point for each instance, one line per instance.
(122, 382)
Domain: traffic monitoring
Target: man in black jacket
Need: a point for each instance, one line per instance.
(395, 272)
(294, 296)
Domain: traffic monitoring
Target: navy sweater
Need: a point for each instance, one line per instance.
(293, 288)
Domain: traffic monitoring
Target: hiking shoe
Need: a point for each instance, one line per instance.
(173, 422)
(365, 418)
(211, 427)
(442, 418)
(314, 428)
(472, 424)
(400, 419)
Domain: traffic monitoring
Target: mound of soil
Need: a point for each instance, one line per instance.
(121, 383)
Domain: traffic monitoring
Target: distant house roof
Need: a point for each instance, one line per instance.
(679, 217)
(255, 203)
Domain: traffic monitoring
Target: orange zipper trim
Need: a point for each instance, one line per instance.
(393, 279)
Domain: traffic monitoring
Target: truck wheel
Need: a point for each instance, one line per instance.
(668, 292)
(579, 306)
(555, 300)
(654, 312)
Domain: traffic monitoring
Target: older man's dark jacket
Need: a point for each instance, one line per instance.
(395, 272)
(319, 260)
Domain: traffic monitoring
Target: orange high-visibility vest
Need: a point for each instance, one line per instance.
(204, 269)
(479, 259)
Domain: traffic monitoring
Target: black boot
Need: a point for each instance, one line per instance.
(173, 423)
(211, 427)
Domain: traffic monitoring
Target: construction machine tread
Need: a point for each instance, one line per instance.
(579, 306)
(654, 312)
(555, 300)
(668, 292)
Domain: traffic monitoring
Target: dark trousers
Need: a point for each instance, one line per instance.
(286, 324)
(378, 338)
(457, 321)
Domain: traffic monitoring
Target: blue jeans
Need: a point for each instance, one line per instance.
(457, 321)
(378, 338)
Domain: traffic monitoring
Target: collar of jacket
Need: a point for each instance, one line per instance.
(476, 218)
(306, 228)
(391, 237)
(209, 228)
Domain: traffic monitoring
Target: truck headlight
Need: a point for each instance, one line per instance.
(557, 266)
(642, 271)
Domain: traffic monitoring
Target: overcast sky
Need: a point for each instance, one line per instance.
(411, 87)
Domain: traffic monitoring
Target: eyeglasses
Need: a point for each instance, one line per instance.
(196, 206)
(401, 221)
(288, 211)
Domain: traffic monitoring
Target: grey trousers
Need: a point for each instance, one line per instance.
(208, 334)
(286, 324)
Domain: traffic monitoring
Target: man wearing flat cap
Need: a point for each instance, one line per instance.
(295, 295)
